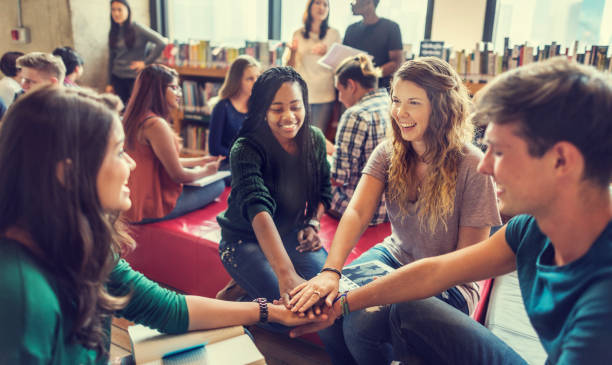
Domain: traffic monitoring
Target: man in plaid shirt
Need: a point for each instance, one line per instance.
(361, 128)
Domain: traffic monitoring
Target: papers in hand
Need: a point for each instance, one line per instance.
(209, 179)
(338, 53)
(354, 276)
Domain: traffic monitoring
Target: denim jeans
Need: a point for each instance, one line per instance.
(364, 337)
(321, 114)
(249, 267)
(192, 198)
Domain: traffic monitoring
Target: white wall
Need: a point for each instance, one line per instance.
(81, 24)
(458, 22)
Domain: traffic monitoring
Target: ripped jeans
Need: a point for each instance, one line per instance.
(249, 267)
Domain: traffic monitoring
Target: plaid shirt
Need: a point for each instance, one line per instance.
(361, 128)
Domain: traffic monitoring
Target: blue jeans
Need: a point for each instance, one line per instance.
(320, 114)
(364, 337)
(192, 198)
(249, 267)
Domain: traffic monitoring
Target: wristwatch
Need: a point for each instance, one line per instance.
(315, 224)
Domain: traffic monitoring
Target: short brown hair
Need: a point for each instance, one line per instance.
(45, 62)
(552, 101)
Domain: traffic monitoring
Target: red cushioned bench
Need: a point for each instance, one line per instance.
(183, 252)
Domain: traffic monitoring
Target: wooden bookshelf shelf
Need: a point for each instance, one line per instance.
(474, 87)
(201, 72)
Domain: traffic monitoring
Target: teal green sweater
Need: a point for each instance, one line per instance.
(35, 329)
(267, 179)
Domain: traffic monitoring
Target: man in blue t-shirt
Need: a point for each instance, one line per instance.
(379, 37)
(549, 150)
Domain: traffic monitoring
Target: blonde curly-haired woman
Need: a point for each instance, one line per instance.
(436, 201)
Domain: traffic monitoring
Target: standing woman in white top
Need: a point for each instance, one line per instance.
(310, 43)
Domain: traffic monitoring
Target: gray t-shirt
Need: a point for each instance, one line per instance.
(475, 206)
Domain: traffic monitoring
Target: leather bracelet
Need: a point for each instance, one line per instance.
(263, 309)
(332, 270)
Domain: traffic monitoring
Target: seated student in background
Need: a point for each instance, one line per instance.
(361, 128)
(309, 43)
(280, 189)
(157, 183)
(229, 112)
(73, 62)
(60, 243)
(552, 161)
(437, 203)
(10, 85)
(38, 68)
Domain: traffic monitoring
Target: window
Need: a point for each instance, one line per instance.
(542, 22)
(221, 21)
(409, 15)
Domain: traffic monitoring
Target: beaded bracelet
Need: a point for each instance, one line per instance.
(263, 309)
(343, 303)
(332, 270)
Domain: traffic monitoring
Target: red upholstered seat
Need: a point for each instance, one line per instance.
(183, 252)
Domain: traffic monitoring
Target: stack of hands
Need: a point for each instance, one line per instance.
(309, 305)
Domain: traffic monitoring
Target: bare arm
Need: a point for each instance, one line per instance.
(272, 246)
(206, 313)
(354, 221)
(199, 161)
(427, 277)
(163, 142)
(395, 61)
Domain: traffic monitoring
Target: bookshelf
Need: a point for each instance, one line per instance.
(192, 119)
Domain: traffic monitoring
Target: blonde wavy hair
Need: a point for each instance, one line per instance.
(448, 131)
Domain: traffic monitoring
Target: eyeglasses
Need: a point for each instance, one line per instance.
(176, 88)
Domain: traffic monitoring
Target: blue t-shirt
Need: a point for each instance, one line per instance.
(569, 306)
(225, 122)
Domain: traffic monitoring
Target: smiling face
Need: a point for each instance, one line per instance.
(524, 183)
(249, 76)
(174, 95)
(410, 110)
(113, 175)
(319, 10)
(286, 114)
(119, 12)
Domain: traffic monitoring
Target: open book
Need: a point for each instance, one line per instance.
(221, 346)
(209, 179)
(354, 276)
(336, 54)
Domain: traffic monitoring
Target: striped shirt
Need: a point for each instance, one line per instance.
(361, 128)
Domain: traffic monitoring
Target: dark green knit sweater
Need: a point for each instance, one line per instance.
(275, 185)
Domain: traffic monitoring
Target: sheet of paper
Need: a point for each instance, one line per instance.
(338, 53)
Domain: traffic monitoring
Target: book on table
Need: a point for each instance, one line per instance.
(206, 180)
(356, 275)
(221, 346)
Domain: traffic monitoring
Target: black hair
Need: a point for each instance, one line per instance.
(8, 63)
(70, 57)
(129, 34)
(256, 128)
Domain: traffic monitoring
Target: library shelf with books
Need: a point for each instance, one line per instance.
(202, 68)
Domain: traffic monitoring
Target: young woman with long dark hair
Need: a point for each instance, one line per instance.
(308, 45)
(280, 188)
(127, 44)
(64, 173)
(158, 190)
